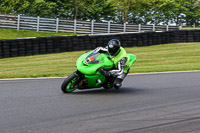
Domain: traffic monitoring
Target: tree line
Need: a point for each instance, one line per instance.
(121, 11)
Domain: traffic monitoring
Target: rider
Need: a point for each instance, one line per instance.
(120, 59)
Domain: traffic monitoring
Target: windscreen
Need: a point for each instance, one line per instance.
(94, 58)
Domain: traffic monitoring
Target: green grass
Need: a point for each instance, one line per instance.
(13, 33)
(191, 28)
(159, 58)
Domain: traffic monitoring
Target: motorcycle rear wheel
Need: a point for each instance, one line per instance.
(68, 85)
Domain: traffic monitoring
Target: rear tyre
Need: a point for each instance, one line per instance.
(69, 84)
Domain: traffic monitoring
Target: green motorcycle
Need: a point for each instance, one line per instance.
(87, 75)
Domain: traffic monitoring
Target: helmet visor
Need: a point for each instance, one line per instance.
(113, 51)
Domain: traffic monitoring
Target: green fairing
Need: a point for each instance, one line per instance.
(92, 79)
(131, 58)
(90, 70)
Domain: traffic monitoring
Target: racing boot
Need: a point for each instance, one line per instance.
(118, 81)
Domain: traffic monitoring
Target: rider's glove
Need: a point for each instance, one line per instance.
(104, 72)
(113, 73)
(101, 50)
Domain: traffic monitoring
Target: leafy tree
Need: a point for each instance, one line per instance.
(8, 6)
(192, 14)
(76, 5)
(28, 7)
(62, 9)
(147, 12)
(41, 8)
(132, 11)
(98, 10)
(124, 7)
(165, 11)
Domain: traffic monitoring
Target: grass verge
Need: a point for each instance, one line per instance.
(13, 33)
(191, 28)
(159, 58)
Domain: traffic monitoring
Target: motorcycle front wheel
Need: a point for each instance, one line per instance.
(69, 84)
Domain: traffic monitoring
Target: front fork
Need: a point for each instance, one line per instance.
(82, 81)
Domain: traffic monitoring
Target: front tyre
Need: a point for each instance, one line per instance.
(70, 84)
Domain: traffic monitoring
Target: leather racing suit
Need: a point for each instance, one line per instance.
(121, 66)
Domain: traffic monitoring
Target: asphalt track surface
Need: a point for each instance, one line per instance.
(147, 103)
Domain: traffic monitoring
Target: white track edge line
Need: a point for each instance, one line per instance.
(131, 74)
(170, 72)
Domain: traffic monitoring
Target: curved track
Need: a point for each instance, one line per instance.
(153, 103)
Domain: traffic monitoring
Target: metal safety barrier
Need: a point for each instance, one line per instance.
(86, 27)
